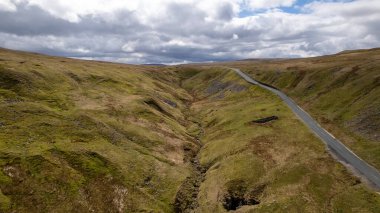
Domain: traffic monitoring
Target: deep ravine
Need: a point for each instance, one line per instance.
(186, 197)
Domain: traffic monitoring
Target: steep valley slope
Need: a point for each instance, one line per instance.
(342, 91)
(85, 136)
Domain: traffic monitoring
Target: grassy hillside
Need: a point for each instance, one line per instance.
(82, 136)
(278, 166)
(342, 91)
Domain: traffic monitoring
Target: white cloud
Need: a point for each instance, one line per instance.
(173, 31)
(266, 4)
(147, 10)
(7, 5)
(72, 10)
(130, 46)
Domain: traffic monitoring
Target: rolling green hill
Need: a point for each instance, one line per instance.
(85, 136)
(80, 136)
(342, 91)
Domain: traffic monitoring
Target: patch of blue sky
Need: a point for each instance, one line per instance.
(295, 9)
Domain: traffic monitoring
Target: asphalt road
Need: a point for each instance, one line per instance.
(335, 146)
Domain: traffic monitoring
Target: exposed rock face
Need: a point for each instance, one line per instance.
(367, 124)
(238, 195)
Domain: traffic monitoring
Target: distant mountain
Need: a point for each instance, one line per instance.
(155, 64)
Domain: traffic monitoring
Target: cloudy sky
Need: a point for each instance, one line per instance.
(177, 31)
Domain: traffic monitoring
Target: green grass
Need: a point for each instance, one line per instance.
(298, 173)
(82, 136)
(107, 139)
(341, 91)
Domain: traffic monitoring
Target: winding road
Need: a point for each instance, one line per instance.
(335, 146)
